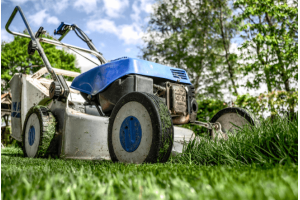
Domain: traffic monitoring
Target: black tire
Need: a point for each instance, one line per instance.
(245, 117)
(39, 138)
(149, 111)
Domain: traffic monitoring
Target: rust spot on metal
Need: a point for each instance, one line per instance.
(181, 120)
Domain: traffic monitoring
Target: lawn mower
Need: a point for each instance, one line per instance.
(124, 109)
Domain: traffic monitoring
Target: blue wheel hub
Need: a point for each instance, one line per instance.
(130, 134)
(31, 135)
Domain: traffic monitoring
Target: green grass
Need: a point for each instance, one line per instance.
(270, 143)
(210, 170)
(26, 178)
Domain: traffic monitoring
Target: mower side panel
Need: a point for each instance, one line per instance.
(98, 78)
(16, 91)
(26, 92)
(84, 136)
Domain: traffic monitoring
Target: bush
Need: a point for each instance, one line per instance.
(276, 102)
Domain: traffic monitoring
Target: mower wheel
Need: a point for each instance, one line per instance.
(140, 130)
(39, 136)
(231, 120)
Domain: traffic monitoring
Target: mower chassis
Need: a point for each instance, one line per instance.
(82, 135)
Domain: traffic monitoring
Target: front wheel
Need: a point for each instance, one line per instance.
(231, 120)
(39, 134)
(140, 130)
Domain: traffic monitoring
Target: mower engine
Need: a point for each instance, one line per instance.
(106, 84)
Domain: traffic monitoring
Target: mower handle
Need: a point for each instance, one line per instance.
(46, 40)
(38, 46)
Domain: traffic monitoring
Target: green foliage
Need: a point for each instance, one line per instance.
(277, 102)
(27, 178)
(193, 35)
(196, 36)
(270, 143)
(6, 138)
(270, 49)
(15, 59)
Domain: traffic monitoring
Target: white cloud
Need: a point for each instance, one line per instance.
(114, 8)
(61, 5)
(102, 25)
(130, 34)
(5, 36)
(87, 6)
(146, 6)
(136, 12)
(19, 2)
(56, 5)
(39, 18)
(127, 50)
(139, 6)
(52, 20)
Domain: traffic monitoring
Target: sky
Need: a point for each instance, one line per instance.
(116, 27)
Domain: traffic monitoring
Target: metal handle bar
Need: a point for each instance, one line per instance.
(46, 40)
(58, 43)
(39, 47)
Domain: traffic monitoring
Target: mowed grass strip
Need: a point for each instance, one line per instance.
(270, 143)
(27, 178)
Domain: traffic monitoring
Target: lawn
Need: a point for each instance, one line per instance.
(233, 175)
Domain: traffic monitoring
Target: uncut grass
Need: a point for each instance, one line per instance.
(271, 142)
(27, 178)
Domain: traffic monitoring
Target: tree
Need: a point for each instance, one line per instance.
(15, 59)
(270, 49)
(194, 35)
(226, 29)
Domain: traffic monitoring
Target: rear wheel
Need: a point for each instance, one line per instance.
(140, 130)
(231, 120)
(39, 136)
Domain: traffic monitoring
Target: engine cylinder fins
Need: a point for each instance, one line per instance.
(140, 130)
(231, 120)
(39, 136)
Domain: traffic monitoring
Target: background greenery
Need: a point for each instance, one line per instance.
(15, 59)
(197, 36)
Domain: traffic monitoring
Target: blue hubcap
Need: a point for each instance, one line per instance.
(31, 135)
(130, 134)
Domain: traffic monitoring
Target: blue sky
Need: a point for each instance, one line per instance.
(115, 26)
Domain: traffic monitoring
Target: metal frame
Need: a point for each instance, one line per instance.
(79, 138)
(45, 40)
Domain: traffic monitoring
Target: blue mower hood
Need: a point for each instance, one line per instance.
(98, 78)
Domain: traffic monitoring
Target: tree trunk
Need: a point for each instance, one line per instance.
(283, 73)
(230, 67)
